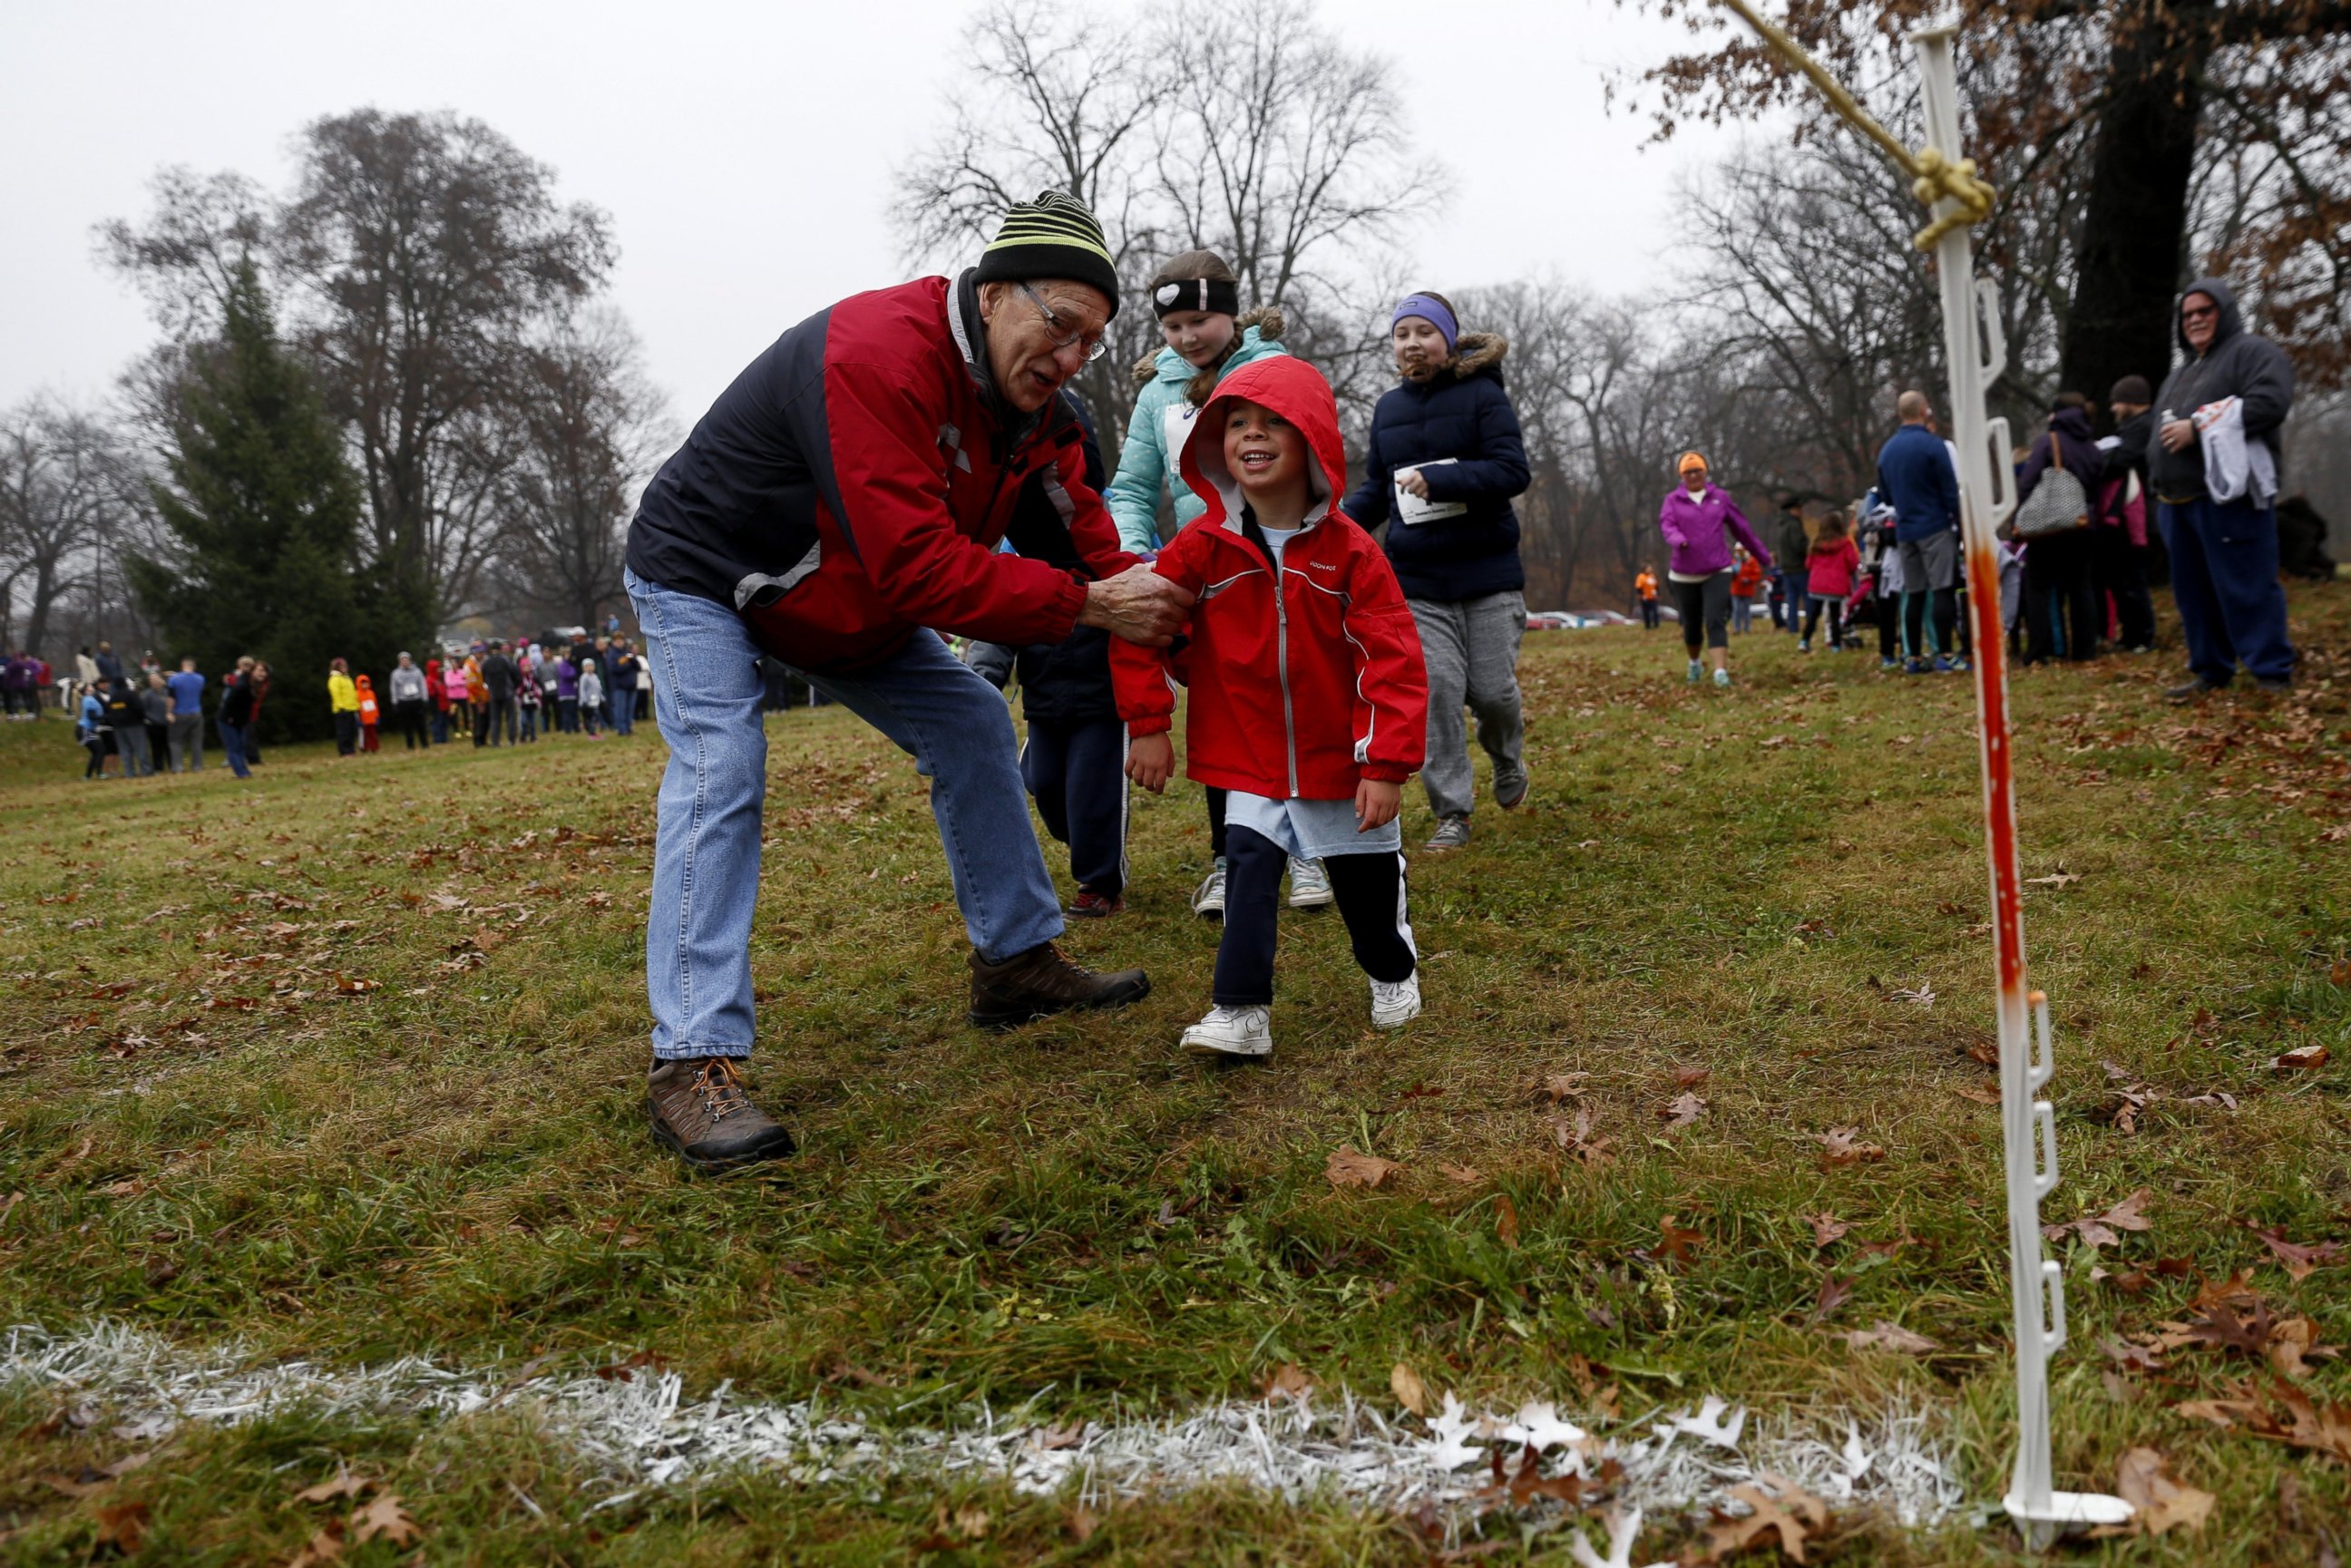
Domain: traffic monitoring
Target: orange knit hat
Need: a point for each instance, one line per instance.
(1690, 460)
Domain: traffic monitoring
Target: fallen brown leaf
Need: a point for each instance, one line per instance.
(1890, 1337)
(1410, 1392)
(123, 1526)
(1827, 1228)
(2301, 1058)
(1562, 1086)
(1794, 1515)
(1467, 1175)
(1506, 1221)
(2164, 1501)
(325, 1546)
(2099, 1230)
(2300, 1262)
(1839, 1146)
(1691, 1077)
(1287, 1381)
(1982, 1093)
(1347, 1167)
(1676, 1241)
(1834, 1295)
(386, 1518)
(345, 1484)
(1685, 1110)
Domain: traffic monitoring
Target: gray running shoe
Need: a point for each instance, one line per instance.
(1310, 886)
(1209, 898)
(1452, 833)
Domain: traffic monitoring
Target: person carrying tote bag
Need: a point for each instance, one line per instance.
(2055, 487)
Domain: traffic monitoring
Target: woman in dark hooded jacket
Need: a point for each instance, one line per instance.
(2061, 614)
(1442, 463)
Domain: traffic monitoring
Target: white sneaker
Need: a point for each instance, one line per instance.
(1393, 1006)
(1310, 885)
(1209, 898)
(1246, 1032)
(1722, 677)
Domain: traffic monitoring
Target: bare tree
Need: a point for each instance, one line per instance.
(1250, 130)
(589, 427)
(67, 489)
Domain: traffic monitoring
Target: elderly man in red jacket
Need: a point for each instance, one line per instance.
(840, 506)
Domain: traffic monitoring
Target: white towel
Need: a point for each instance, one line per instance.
(2234, 466)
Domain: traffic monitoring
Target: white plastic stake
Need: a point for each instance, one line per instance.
(1973, 345)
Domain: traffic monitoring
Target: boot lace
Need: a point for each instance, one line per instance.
(721, 1087)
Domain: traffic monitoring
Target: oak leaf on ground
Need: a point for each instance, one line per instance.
(1788, 1511)
(2163, 1501)
(1348, 1166)
(1842, 1146)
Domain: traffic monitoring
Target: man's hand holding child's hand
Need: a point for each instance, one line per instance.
(1377, 801)
(1151, 760)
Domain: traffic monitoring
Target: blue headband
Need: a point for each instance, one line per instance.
(1430, 308)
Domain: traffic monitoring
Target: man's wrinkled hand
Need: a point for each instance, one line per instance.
(1151, 760)
(1139, 605)
(2178, 434)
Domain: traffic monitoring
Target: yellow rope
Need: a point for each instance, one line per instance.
(1934, 175)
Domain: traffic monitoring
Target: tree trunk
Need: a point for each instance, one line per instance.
(2128, 265)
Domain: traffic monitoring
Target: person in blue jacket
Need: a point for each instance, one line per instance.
(1205, 338)
(1915, 474)
(1442, 462)
(1073, 760)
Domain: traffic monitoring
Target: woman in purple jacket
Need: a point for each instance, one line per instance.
(1698, 521)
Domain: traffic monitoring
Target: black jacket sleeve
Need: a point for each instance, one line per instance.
(1499, 471)
(1367, 503)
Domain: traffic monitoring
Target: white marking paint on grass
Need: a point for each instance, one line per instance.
(640, 1431)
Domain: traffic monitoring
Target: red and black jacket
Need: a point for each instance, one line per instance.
(1300, 688)
(853, 482)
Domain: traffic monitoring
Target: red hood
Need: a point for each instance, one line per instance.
(1292, 389)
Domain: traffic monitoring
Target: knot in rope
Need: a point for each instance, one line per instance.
(1937, 176)
(1933, 173)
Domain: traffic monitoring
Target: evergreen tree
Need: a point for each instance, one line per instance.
(267, 511)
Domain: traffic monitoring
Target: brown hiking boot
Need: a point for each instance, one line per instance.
(1040, 981)
(700, 1111)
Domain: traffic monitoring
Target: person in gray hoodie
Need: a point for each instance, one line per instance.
(2224, 554)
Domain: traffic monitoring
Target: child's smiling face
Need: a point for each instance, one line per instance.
(1198, 335)
(1265, 454)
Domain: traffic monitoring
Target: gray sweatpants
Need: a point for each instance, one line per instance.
(1471, 646)
(187, 743)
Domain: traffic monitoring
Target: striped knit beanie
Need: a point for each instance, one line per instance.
(1052, 237)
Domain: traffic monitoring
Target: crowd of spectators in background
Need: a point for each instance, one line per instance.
(133, 722)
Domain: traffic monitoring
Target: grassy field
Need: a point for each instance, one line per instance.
(345, 1064)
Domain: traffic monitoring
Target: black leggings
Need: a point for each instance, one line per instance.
(1705, 608)
(1370, 891)
(1835, 608)
(1216, 821)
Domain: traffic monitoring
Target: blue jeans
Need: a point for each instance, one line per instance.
(233, 742)
(1796, 589)
(708, 694)
(2224, 583)
(625, 704)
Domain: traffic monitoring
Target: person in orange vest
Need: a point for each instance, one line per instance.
(1646, 585)
(369, 714)
(1745, 583)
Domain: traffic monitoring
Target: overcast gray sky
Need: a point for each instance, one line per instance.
(744, 150)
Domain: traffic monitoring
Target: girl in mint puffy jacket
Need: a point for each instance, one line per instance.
(1197, 300)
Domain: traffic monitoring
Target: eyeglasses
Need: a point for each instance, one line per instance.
(2198, 312)
(1091, 345)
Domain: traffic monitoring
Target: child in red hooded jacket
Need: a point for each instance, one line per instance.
(1308, 699)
